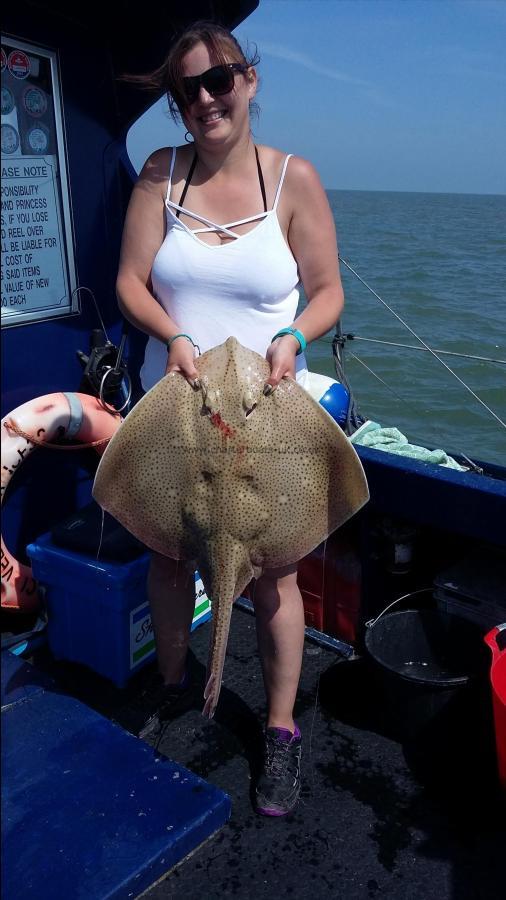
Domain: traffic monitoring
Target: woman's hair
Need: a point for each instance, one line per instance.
(222, 46)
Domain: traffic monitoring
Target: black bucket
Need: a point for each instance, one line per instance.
(431, 669)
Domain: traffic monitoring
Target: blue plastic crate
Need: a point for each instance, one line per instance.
(100, 814)
(98, 612)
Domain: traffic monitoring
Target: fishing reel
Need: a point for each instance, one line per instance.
(105, 372)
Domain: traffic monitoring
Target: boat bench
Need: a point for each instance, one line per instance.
(88, 810)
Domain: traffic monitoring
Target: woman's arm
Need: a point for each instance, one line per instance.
(312, 239)
(143, 236)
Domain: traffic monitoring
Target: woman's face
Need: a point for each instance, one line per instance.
(213, 119)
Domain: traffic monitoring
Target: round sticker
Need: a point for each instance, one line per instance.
(10, 139)
(7, 101)
(4, 59)
(38, 139)
(34, 101)
(19, 64)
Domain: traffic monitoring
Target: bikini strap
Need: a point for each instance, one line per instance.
(280, 185)
(261, 179)
(187, 184)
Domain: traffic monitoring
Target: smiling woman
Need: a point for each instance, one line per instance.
(218, 234)
(216, 94)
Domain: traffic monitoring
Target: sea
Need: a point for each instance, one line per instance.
(439, 262)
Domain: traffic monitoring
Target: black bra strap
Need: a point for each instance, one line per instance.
(187, 183)
(192, 170)
(261, 180)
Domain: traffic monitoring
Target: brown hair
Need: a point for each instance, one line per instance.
(222, 46)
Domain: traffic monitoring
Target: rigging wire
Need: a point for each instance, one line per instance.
(358, 337)
(375, 375)
(418, 338)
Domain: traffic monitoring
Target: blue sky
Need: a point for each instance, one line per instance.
(402, 95)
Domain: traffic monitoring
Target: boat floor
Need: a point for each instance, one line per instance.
(376, 818)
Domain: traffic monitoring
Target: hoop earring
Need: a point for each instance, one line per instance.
(187, 139)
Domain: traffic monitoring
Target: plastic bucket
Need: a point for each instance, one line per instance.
(427, 662)
(496, 640)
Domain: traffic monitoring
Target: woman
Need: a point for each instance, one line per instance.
(217, 236)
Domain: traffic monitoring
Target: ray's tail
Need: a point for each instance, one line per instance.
(222, 611)
(232, 570)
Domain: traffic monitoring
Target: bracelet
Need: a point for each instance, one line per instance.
(297, 334)
(170, 340)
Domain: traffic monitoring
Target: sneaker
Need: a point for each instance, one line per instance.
(278, 787)
(161, 705)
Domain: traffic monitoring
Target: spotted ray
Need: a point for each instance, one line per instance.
(229, 478)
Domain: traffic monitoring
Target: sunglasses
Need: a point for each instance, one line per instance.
(216, 81)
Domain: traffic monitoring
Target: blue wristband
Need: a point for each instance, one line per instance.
(297, 334)
(173, 338)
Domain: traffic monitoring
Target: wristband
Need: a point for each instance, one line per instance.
(170, 340)
(297, 334)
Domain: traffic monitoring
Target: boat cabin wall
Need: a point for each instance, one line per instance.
(39, 357)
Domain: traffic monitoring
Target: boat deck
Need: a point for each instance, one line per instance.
(375, 818)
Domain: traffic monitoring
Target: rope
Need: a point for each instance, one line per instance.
(11, 426)
(418, 338)
(353, 418)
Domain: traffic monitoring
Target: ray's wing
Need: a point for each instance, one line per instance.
(142, 476)
(308, 472)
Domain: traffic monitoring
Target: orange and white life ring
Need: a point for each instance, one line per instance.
(71, 416)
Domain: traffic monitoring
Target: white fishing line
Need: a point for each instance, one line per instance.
(101, 534)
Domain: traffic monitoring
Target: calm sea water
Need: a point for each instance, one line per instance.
(439, 260)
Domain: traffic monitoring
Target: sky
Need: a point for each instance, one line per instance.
(380, 95)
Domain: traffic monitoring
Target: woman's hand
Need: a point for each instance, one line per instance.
(281, 357)
(181, 358)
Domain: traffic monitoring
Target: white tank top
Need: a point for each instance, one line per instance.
(246, 288)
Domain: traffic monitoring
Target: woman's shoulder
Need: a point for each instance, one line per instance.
(298, 169)
(160, 160)
(156, 169)
(155, 172)
(302, 172)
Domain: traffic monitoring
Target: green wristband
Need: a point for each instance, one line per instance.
(172, 339)
(297, 334)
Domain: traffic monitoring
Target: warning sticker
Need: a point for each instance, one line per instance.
(7, 101)
(10, 139)
(38, 139)
(34, 101)
(19, 64)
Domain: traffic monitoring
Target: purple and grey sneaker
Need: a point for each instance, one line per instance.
(278, 787)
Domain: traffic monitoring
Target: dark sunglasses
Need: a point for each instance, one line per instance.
(218, 80)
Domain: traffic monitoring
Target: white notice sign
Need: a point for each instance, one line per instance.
(33, 272)
(38, 275)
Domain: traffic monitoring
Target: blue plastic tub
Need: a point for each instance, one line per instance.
(98, 612)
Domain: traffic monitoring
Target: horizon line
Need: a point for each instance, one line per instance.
(400, 191)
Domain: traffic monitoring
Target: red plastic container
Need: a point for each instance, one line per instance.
(496, 640)
(330, 582)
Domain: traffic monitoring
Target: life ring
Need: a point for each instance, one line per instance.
(71, 416)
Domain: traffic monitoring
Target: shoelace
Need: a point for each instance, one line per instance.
(152, 698)
(278, 759)
(163, 716)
